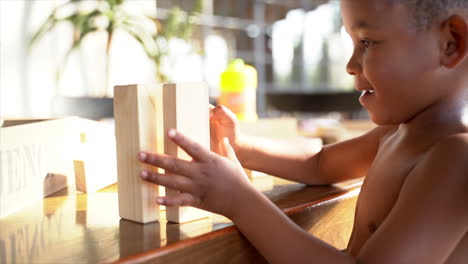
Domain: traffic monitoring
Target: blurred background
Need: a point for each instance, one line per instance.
(62, 57)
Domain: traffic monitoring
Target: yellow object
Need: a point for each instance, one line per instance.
(238, 90)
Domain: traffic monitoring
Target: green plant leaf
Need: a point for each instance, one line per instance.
(178, 24)
(47, 26)
(144, 38)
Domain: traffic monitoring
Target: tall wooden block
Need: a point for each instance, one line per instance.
(185, 109)
(137, 117)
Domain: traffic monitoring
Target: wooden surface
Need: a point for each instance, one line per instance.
(137, 117)
(186, 110)
(86, 228)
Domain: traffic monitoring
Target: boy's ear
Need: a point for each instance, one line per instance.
(454, 41)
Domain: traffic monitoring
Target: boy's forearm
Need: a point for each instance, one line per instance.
(279, 239)
(294, 160)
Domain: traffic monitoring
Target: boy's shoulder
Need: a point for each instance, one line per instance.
(443, 166)
(451, 148)
(446, 160)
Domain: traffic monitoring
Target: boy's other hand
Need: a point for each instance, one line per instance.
(223, 124)
(210, 181)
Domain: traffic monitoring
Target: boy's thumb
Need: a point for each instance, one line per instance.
(228, 151)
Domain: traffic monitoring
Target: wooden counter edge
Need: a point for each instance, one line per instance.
(152, 255)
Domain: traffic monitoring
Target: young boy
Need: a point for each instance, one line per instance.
(411, 63)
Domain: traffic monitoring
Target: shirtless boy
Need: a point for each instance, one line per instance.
(410, 61)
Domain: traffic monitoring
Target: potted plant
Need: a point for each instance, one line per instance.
(109, 16)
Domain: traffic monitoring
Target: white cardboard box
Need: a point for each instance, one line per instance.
(35, 160)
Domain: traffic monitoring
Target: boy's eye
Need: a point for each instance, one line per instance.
(365, 43)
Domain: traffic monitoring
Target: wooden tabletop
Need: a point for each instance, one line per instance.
(71, 227)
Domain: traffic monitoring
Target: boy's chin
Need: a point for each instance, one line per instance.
(382, 120)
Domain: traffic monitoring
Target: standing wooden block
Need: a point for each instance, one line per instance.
(137, 117)
(186, 110)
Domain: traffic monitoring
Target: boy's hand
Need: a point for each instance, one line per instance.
(223, 124)
(210, 181)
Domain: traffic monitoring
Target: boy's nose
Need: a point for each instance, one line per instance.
(354, 66)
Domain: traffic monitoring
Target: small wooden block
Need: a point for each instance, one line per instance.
(137, 119)
(186, 110)
(96, 162)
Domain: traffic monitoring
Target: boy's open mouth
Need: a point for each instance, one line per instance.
(370, 91)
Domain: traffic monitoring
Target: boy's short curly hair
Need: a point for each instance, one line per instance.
(427, 12)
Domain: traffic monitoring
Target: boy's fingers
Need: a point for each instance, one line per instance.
(181, 199)
(211, 109)
(195, 150)
(224, 114)
(168, 163)
(172, 181)
(217, 108)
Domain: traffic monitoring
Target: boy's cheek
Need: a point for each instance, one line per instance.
(389, 73)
